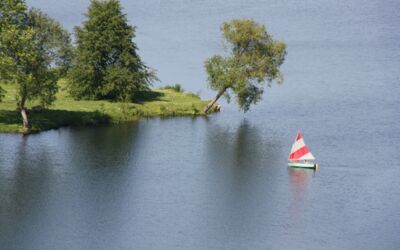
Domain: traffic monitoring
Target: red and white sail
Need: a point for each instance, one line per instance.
(300, 151)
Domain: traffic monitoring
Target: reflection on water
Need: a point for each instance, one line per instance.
(299, 183)
(244, 144)
(153, 186)
(239, 154)
(23, 187)
(72, 178)
(242, 166)
(103, 147)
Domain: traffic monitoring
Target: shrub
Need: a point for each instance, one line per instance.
(177, 87)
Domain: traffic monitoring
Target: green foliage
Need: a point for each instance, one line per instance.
(177, 87)
(34, 51)
(54, 40)
(254, 57)
(106, 65)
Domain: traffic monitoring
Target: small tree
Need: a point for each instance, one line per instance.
(106, 64)
(254, 57)
(34, 52)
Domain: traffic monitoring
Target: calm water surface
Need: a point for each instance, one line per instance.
(222, 182)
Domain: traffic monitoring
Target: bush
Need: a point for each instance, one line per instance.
(177, 87)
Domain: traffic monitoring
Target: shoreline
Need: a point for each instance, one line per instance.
(69, 112)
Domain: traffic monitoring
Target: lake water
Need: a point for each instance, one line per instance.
(222, 182)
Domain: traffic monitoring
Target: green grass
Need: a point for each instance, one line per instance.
(66, 111)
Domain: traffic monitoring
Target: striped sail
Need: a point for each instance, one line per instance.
(300, 150)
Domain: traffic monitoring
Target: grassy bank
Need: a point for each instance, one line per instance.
(68, 112)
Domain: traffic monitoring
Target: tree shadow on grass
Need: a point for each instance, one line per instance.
(10, 117)
(54, 118)
(147, 96)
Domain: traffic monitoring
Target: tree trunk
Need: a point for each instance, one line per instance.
(25, 120)
(209, 105)
(24, 115)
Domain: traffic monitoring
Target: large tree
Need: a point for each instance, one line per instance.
(34, 52)
(254, 58)
(106, 64)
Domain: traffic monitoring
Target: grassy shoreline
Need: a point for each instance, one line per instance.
(66, 111)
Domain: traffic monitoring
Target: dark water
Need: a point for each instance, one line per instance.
(222, 182)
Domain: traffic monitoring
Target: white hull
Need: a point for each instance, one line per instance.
(302, 165)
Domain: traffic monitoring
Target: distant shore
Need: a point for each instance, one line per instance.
(66, 111)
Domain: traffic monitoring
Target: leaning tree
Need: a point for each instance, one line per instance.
(34, 51)
(254, 58)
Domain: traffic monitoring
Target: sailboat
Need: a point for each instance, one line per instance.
(300, 156)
